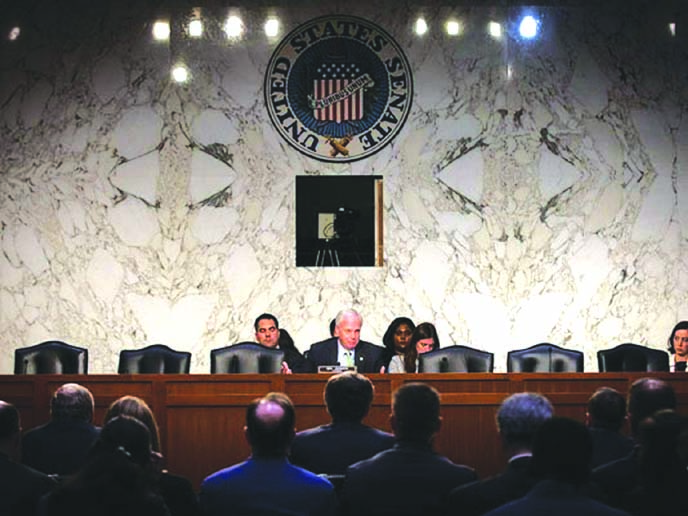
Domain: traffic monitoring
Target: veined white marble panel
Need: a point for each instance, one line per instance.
(134, 223)
(108, 79)
(138, 132)
(535, 193)
(139, 177)
(213, 126)
(209, 176)
(656, 211)
(653, 131)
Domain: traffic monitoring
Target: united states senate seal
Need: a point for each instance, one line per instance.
(338, 88)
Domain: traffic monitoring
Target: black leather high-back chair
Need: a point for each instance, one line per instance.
(154, 359)
(51, 357)
(632, 357)
(544, 358)
(456, 359)
(246, 357)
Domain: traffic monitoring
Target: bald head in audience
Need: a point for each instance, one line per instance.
(270, 425)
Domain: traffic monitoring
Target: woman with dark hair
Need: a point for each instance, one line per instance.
(397, 337)
(118, 477)
(423, 339)
(678, 345)
(176, 491)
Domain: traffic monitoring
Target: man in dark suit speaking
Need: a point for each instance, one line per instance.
(346, 348)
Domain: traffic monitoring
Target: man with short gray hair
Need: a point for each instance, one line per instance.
(518, 419)
(60, 446)
(347, 348)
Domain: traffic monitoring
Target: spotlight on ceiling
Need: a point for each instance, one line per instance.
(453, 28)
(195, 28)
(234, 27)
(528, 27)
(421, 26)
(180, 74)
(271, 27)
(494, 29)
(161, 30)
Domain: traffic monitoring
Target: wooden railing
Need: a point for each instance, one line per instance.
(201, 417)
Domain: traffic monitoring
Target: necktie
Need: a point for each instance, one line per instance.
(349, 357)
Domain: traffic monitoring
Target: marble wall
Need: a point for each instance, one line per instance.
(535, 193)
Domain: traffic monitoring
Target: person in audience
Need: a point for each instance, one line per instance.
(20, 486)
(618, 478)
(61, 445)
(332, 447)
(176, 491)
(562, 449)
(662, 467)
(267, 483)
(117, 479)
(347, 348)
(410, 478)
(605, 417)
(268, 334)
(518, 419)
(397, 337)
(678, 346)
(423, 339)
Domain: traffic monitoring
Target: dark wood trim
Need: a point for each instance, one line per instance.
(201, 417)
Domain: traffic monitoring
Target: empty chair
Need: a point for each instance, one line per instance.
(154, 359)
(246, 357)
(632, 357)
(51, 357)
(456, 359)
(544, 358)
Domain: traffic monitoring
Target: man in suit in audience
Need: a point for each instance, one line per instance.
(562, 449)
(409, 479)
(60, 446)
(268, 334)
(605, 417)
(347, 348)
(267, 483)
(20, 486)
(620, 477)
(518, 418)
(332, 447)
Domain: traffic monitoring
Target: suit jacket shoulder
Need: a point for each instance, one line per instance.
(479, 497)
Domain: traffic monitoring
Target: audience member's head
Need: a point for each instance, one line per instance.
(398, 335)
(562, 450)
(348, 397)
(606, 409)
(127, 436)
(660, 437)
(423, 339)
(267, 330)
(519, 417)
(645, 397)
(678, 339)
(416, 413)
(348, 328)
(270, 425)
(10, 428)
(117, 479)
(72, 401)
(137, 408)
